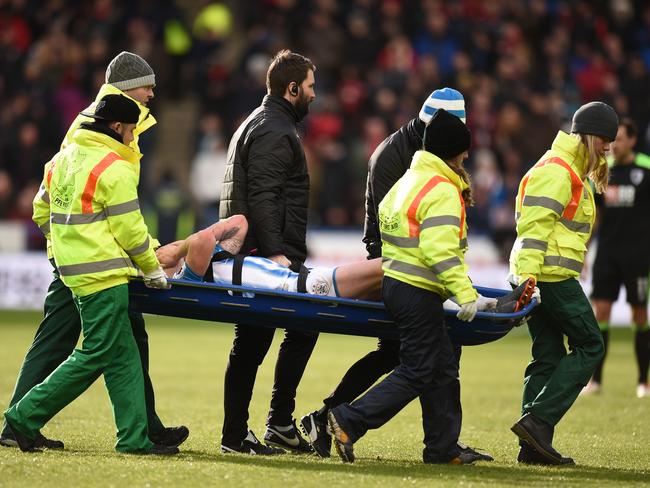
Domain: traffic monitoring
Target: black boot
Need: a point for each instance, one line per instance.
(539, 436)
(528, 455)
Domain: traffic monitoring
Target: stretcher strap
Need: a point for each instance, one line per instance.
(302, 279)
(237, 268)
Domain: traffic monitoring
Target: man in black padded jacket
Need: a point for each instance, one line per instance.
(387, 164)
(267, 181)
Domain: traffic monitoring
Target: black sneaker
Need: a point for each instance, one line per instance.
(287, 437)
(40, 442)
(318, 435)
(170, 436)
(251, 445)
(342, 442)
(7, 441)
(480, 456)
(465, 457)
(160, 450)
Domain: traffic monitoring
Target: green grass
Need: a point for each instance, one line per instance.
(608, 435)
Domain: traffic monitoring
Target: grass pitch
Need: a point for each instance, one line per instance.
(608, 435)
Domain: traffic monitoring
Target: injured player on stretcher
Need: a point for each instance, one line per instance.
(211, 255)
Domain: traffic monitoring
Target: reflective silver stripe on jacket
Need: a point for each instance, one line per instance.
(546, 202)
(409, 268)
(89, 218)
(583, 227)
(122, 208)
(77, 219)
(563, 262)
(439, 220)
(404, 242)
(45, 196)
(139, 249)
(96, 267)
(412, 242)
(528, 243)
(442, 266)
(45, 228)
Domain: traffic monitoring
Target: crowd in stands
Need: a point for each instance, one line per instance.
(523, 67)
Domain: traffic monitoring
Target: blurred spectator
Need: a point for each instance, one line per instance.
(524, 67)
(207, 170)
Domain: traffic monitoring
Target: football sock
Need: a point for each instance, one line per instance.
(642, 350)
(604, 330)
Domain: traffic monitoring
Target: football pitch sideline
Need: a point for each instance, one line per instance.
(608, 435)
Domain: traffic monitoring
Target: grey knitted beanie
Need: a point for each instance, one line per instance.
(127, 71)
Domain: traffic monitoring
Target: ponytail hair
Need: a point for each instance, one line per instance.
(460, 170)
(597, 168)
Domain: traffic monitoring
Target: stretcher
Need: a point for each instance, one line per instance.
(288, 310)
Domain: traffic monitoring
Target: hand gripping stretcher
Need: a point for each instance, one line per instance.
(300, 311)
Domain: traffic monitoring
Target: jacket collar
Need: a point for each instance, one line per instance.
(89, 136)
(145, 121)
(283, 105)
(571, 150)
(415, 132)
(426, 161)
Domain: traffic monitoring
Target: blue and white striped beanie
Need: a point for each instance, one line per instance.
(449, 99)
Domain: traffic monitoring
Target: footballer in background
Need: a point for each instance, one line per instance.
(623, 256)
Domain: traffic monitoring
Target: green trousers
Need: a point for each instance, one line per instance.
(108, 348)
(56, 338)
(554, 377)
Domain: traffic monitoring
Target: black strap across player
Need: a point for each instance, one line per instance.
(302, 279)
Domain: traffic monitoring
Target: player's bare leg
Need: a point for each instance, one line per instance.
(360, 280)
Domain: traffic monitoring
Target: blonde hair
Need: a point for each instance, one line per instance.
(459, 169)
(597, 168)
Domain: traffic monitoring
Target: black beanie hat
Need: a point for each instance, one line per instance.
(446, 135)
(115, 108)
(596, 118)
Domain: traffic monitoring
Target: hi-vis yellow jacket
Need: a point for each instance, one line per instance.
(97, 230)
(555, 214)
(423, 229)
(41, 206)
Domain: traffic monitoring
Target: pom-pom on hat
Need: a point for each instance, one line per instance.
(446, 135)
(127, 71)
(446, 98)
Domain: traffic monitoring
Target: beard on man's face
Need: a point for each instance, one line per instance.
(302, 105)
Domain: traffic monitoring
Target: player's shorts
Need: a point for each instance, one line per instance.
(611, 271)
(258, 272)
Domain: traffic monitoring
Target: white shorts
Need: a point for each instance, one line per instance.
(265, 274)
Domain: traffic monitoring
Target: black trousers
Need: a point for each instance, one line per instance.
(56, 338)
(367, 370)
(428, 370)
(248, 351)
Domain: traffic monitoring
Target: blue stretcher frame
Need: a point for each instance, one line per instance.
(299, 311)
